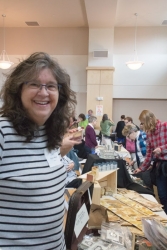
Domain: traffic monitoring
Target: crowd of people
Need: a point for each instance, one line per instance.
(38, 151)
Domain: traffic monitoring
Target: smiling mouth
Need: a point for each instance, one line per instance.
(41, 103)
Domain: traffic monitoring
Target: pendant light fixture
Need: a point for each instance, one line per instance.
(5, 63)
(135, 64)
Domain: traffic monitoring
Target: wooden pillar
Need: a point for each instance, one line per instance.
(100, 84)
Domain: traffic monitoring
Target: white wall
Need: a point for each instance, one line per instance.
(101, 39)
(133, 108)
(150, 81)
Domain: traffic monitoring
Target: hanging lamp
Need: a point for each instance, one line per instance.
(5, 63)
(135, 64)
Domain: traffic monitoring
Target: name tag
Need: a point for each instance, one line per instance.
(53, 158)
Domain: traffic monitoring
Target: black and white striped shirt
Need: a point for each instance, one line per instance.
(31, 193)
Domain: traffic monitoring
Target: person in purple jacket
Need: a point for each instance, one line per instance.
(90, 135)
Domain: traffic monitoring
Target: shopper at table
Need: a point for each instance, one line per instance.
(157, 149)
(106, 125)
(139, 138)
(71, 180)
(82, 121)
(37, 103)
(129, 121)
(118, 130)
(90, 135)
(129, 144)
(90, 113)
(141, 127)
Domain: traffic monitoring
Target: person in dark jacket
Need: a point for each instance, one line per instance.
(129, 121)
(119, 128)
(90, 135)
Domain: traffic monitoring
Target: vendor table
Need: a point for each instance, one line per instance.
(123, 177)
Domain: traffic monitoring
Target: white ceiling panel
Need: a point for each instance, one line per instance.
(83, 13)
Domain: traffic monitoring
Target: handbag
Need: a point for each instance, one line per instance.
(130, 146)
(164, 168)
(153, 173)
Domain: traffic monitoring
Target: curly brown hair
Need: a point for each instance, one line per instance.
(12, 107)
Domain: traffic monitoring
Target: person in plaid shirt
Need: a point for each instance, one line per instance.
(156, 148)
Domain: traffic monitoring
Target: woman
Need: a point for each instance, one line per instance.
(106, 125)
(83, 122)
(90, 135)
(156, 149)
(37, 103)
(139, 138)
(73, 122)
(71, 181)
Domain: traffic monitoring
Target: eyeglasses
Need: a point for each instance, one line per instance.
(53, 87)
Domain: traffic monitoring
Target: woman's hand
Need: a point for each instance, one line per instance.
(157, 151)
(70, 167)
(131, 163)
(67, 144)
(137, 171)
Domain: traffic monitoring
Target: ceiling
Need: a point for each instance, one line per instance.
(83, 13)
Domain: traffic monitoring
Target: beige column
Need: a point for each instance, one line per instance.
(100, 84)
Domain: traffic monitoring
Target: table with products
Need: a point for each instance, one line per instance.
(119, 213)
(123, 178)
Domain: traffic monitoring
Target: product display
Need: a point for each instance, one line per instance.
(137, 206)
(105, 179)
(112, 232)
(114, 218)
(119, 218)
(113, 236)
(128, 210)
(155, 207)
(125, 212)
(155, 233)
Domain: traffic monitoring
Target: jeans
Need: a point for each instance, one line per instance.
(90, 150)
(162, 189)
(93, 151)
(121, 140)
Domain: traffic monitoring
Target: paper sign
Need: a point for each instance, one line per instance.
(99, 110)
(82, 218)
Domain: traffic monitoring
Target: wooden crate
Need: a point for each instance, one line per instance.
(105, 179)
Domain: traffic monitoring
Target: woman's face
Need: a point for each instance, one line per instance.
(40, 103)
(128, 122)
(142, 122)
(132, 135)
(141, 126)
(80, 119)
